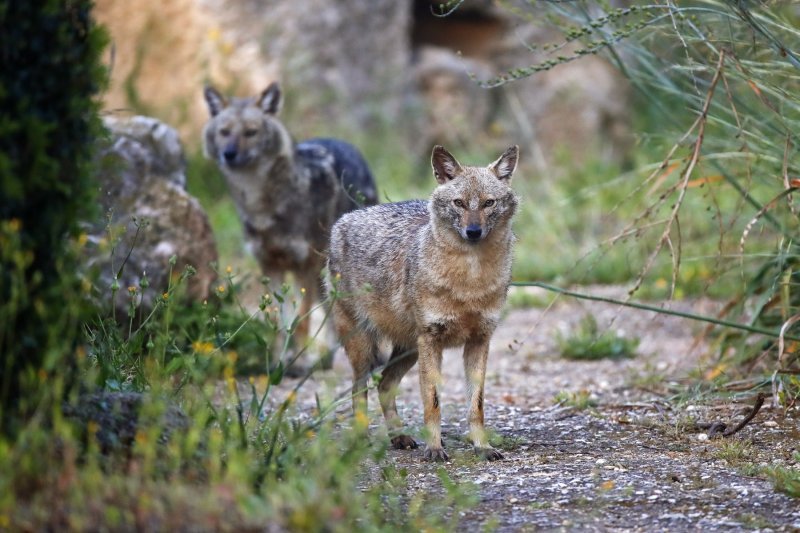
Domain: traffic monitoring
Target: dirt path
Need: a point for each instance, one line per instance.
(635, 461)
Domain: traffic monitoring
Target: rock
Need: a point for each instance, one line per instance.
(346, 62)
(113, 418)
(151, 217)
(455, 106)
(149, 147)
(578, 108)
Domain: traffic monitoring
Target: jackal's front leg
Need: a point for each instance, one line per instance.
(476, 352)
(430, 376)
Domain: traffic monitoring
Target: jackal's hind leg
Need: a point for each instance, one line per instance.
(362, 352)
(399, 363)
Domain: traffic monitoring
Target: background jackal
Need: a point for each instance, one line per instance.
(426, 276)
(287, 195)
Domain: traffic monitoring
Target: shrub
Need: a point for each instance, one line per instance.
(51, 71)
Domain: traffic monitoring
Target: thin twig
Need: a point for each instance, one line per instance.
(656, 309)
(753, 412)
(700, 124)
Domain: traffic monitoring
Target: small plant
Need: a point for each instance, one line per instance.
(785, 479)
(735, 452)
(580, 400)
(588, 344)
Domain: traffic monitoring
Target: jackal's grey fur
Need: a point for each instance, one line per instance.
(287, 194)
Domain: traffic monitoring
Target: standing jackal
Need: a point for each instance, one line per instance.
(287, 194)
(426, 276)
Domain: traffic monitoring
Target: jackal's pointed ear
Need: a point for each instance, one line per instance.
(445, 166)
(505, 165)
(216, 102)
(271, 99)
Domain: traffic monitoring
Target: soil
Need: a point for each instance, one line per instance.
(636, 459)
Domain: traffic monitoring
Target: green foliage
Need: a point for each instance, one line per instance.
(712, 207)
(197, 446)
(589, 344)
(180, 340)
(51, 71)
(580, 400)
(785, 479)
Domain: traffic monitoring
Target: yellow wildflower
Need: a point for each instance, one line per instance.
(202, 347)
(361, 418)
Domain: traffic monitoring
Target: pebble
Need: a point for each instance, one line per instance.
(702, 436)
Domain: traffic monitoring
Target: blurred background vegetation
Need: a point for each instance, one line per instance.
(659, 148)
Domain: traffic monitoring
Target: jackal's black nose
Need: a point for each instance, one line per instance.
(474, 232)
(229, 155)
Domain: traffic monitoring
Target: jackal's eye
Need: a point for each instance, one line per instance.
(224, 132)
(250, 132)
(458, 203)
(488, 203)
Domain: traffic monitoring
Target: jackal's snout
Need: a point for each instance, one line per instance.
(473, 232)
(230, 153)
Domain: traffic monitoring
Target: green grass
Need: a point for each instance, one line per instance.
(784, 478)
(735, 452)
(587, 343)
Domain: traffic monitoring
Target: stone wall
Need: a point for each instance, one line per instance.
(351, 64)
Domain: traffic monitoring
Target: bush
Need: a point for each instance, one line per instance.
(51, 71)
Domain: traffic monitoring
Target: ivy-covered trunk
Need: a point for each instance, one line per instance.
(50, 51)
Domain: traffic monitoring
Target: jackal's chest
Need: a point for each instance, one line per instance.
(458, 328)
(466, 282)
(456, 314)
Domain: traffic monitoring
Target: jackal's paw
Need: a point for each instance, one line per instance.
(404, 442)
(489, 454)
(435, 455)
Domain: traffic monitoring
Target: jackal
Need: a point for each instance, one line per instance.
(426, 276)
(287, 194)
